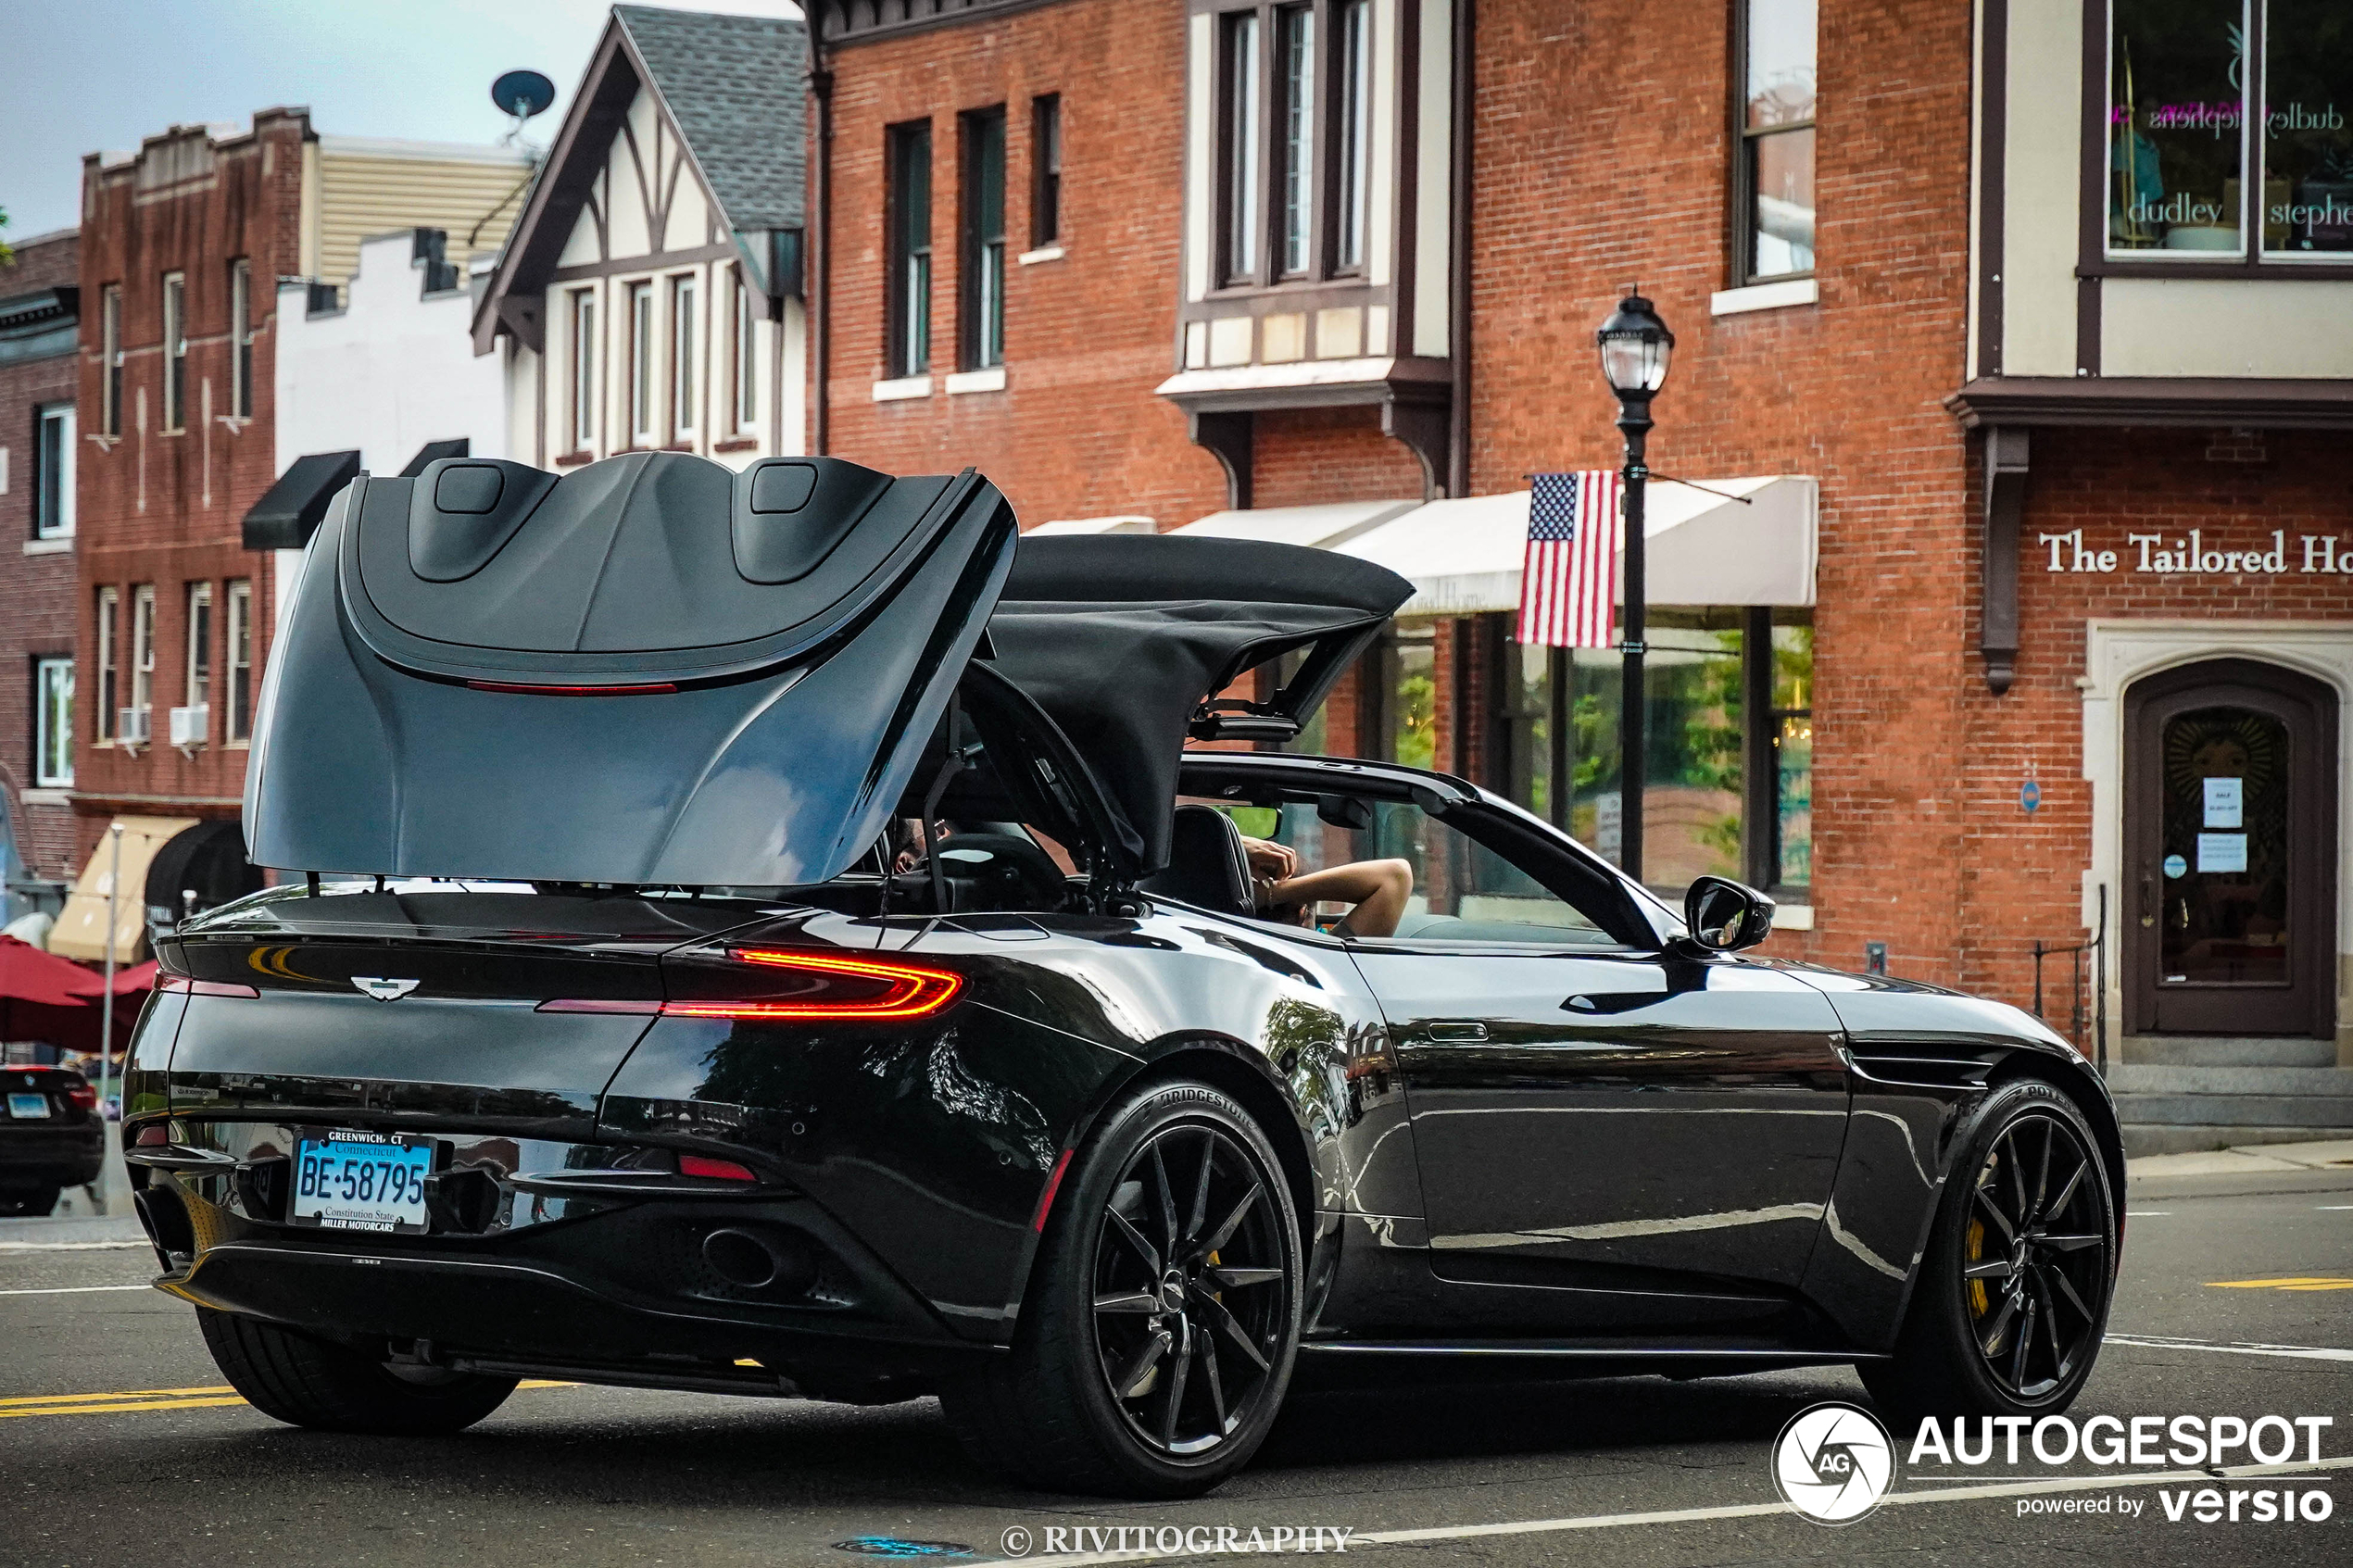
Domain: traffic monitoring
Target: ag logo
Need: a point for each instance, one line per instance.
(384, 990)
(1833, 1462)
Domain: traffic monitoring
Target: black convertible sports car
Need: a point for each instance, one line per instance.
(610, 1026)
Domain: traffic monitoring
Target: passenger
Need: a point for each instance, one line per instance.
(1378, 888)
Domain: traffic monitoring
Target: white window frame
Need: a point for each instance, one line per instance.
(583, 369)
(747, 384)
(111, 359)
(52, 722)
(175, 351)
(686, 388)
(641, 327)
(109, 626)
(60, 482)
(143, 649)
(198, 669)
(237, 660)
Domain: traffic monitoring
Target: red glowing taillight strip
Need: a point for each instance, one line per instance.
(654, 688)
(915, 991)
(1046, 1198)
(204, 987)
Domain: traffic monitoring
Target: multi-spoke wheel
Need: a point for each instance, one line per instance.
(2013, 1293)
(1191, 1288)
(1156, 1337)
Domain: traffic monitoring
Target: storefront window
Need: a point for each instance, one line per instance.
(1791, 856)
(2308, 126)
(2176, 120)
(1412, 708)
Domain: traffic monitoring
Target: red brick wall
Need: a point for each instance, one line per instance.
(167, 509)
(1603, 159)
(36, 590)
(1077, 432)
(1306, 456)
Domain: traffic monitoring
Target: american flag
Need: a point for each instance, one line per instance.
(1566, 590)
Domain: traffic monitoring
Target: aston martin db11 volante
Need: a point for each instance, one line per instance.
(767, 933)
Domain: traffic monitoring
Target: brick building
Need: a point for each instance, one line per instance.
(2034, 600)
(39, 307)
(186, 244)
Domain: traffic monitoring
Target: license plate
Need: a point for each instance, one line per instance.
(355, 1181)
(28, 1107)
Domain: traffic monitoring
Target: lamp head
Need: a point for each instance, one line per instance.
(1635, 347)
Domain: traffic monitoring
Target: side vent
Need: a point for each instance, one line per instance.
(1935, 1064)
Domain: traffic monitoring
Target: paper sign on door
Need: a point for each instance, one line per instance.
(2221, 851)
(2224, 797)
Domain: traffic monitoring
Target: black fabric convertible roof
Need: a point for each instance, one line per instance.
(1121, 639)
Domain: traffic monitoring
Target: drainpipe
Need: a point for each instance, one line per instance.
(1458, 303)
(820, 293)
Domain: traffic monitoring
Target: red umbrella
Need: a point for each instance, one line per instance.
(46, 997)
(131, 982)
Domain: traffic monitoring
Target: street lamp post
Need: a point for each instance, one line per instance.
(1635, 347)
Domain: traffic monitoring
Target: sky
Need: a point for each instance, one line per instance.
(83, 75)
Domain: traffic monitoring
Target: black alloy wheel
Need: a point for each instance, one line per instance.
(1156, 1336)
(1191, 1289)
(2014, 1286)
(2035, 1255)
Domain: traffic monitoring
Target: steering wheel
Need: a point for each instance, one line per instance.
(1006, 871)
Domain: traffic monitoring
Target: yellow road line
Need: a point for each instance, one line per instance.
(158, 1399)
(2299, 1282)
(123, 1394)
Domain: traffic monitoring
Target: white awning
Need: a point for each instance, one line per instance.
(1323, 527)
(1464, 557)
(1126, 523)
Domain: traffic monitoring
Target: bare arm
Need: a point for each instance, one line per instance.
(1378, 888)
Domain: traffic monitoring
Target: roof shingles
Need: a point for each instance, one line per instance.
(735, 86)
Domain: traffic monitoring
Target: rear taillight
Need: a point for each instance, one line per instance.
(204, 987)
(795, 987)
(823, 987)
(713, 1169)
(81, 1096)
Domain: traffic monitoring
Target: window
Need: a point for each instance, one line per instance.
(2183, 75)
(745, 380)
(111, 359)
(1723, 795)
(1463, 890)
(143, 647)
(1244, 155)
(641, 364)
(1776, 174)
(683, 401)
(1295, 105)
(53, 724)
(240, 654)
(199, 645)
(983, 262)
(910, 250)
(109, 613)
(53, 473)
(175, 350)
(241, 338)
(583, 369)
(1045, 171)
(1352, 128)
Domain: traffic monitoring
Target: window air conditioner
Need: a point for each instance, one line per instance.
(190, 726)
(130, 726)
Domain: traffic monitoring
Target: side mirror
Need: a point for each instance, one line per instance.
(1724, 916)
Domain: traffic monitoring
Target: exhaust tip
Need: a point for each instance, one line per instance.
(741, 1258)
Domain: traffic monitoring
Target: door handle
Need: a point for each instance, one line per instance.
(1457, 1033)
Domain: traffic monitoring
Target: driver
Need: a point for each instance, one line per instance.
(1378, 889)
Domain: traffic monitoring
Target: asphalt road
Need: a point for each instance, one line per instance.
(119, 1444)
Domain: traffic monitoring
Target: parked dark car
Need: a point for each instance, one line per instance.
(642, 1048)
(51, 1136)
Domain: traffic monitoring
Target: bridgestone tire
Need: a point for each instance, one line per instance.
(307, 1382)
(1046, 1416)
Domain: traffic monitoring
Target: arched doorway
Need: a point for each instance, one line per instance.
(2230, 852)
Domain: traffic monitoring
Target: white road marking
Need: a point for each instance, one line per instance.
(2335, 1208)
(2290, 1352)
(75, 1290)
(67, 1245)
(2146, 1213)
(1736, 1510)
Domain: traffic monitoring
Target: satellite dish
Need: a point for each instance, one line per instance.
(523, 93)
